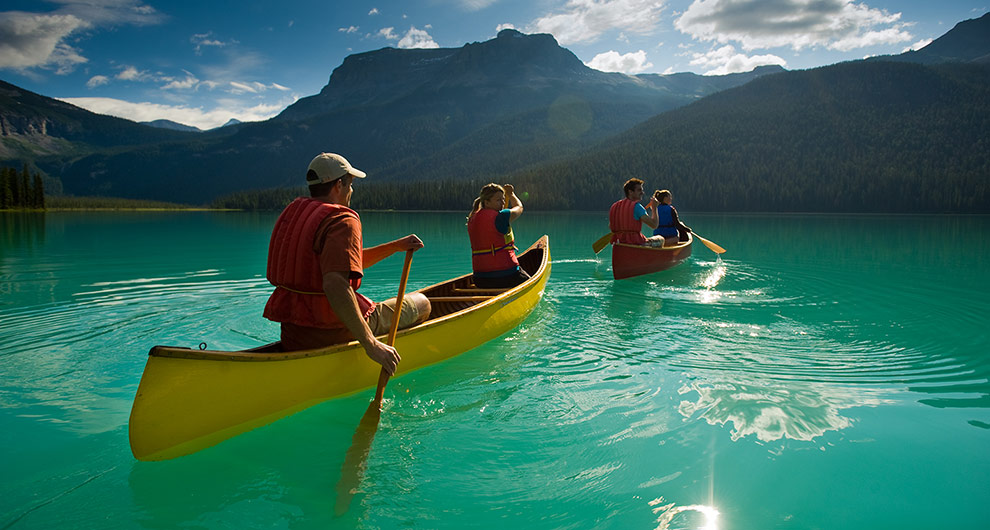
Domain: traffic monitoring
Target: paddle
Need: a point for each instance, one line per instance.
(714, 248)
(383, 376)
(602, 242)
(356, 458)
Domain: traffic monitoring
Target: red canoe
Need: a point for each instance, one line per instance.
(636, 260)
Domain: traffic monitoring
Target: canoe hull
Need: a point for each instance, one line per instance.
(636, 260)
(190, 399)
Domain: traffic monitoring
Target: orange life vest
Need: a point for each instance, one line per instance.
(625, 228)
(491, 250)
(294, 268)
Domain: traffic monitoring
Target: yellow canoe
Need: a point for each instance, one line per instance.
(189, 399)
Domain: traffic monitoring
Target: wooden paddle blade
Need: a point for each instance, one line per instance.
(714, 248)
(602, 242)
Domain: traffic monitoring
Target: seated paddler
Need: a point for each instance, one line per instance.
(670, 230)
(316, 259)
(493, 251)
(627, 216)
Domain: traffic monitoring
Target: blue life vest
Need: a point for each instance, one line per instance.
(665, 216)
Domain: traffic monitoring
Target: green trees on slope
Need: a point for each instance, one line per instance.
(21, 190)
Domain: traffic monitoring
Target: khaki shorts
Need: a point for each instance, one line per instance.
(380, 320)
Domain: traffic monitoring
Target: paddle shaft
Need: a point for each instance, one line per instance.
(383, 376)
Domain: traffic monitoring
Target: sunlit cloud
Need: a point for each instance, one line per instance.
(181, 84)
(417, 38)
(130, 73)
(29, 40)
(253, 87)
(918, 45)
(38, 40)
(475, 5)
(587, 20)
(506, 25)
(388, 33)
(97, 80)
(613, 61)
(202, 40)
(756, 24)
(111, 12)
(725, 60)
(349, 29)
(374, 11)
(194, 116)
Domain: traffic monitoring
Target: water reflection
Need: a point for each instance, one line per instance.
(21, 229)
(797, 411)
(695, 516)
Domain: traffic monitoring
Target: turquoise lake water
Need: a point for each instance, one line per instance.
(827, 372)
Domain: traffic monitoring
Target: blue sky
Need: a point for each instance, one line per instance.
(203, 63)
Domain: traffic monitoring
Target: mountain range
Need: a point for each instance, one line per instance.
(520, 106)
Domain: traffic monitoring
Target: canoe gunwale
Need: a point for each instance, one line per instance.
(258, 354)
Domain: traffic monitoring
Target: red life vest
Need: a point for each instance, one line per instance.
(625, 228)
(294, 268)
(491, 250)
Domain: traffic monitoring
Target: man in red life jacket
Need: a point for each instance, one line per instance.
(626, 216)
(316, 261)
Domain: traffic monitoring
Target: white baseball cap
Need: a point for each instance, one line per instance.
(328, 167)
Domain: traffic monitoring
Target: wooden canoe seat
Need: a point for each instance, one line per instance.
(472, 299)
(476, 290)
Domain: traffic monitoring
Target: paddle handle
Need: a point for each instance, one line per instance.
(383, 375)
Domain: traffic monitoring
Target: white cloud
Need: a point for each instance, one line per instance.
(506, 25)
(476, 5)
(799, 24)
(918, 45)
(374, 11)
(629, 63)
(587, 20)
(97, 80)
(181, 84)
(349, 29)
(417, 38)
(29, 40)
(205, 39)
(388, 33)
(253, 87)
(37, 40)
(195, 116)
(726, 60)
(130, 73)
(111, 12)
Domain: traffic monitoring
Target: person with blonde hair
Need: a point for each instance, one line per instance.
(493, 251)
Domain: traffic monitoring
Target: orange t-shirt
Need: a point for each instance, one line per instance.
(339, 246)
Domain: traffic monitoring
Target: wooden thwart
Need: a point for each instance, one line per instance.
(434, 299)
(477, 290)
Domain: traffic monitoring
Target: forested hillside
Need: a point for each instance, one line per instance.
(853, 137)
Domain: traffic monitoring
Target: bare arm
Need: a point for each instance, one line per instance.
(513, 202)
(651, 218)
(372, 255)
(338, 291)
